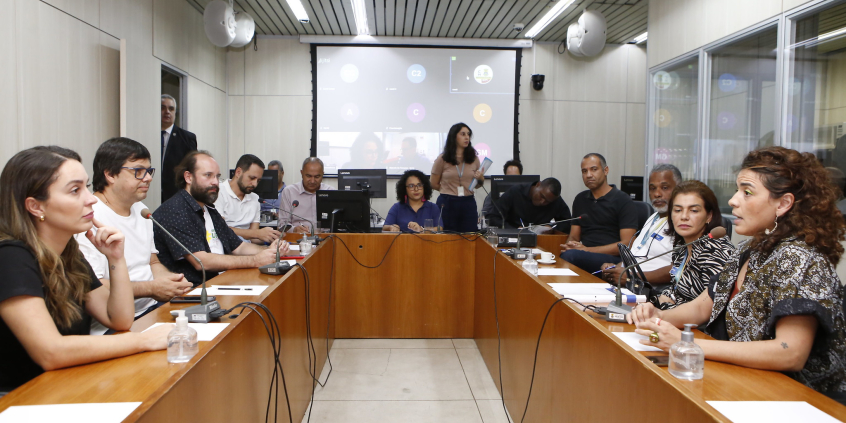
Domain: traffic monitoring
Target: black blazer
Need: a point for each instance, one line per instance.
(181, 142)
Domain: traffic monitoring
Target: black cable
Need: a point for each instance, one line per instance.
(383, 257)
(499, 339)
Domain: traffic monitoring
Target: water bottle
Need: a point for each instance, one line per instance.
(687, 360)
(530, 264)
(182, 341)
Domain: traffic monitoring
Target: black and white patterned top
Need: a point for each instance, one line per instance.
(795, 279)
(707, 258)
(183, 217)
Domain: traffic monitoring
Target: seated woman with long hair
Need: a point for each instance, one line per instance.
(778, 304)
(49, 293)
(413, 207)
(694, 212)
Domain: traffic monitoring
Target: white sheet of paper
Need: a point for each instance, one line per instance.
(771, 411)
(536, 251)
(633, 339)
(230, 290)
(112, 412)
(552, 271)
(205, 331)
(294, 247)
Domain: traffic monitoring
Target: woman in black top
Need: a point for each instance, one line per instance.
(778, 305)
(48, 291)
(694, 212)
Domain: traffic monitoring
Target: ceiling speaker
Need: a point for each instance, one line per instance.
(245, 27)
(219, 19)
(587, 37)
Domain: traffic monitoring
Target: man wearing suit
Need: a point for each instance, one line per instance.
(176, 143)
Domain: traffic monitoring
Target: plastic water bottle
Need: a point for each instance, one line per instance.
(687, 360)
(530, 264)
(182, 341)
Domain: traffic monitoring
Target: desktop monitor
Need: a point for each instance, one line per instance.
(353, 210)
(268, 186)
(501, 183)
(374, 181)
(632, 185)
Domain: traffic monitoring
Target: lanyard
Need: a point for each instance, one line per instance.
(652, 229)
(460, 172)
(680, 269)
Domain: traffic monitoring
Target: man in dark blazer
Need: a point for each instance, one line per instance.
(176, 143)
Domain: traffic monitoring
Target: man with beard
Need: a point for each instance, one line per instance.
(122, 177)
(240, 206)
(611, 217)
(191, 217)
(652, 241)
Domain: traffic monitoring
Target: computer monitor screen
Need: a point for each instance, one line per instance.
(501, 183)
(268, 186)
(374, 181)
(632, 185)
(353, 210)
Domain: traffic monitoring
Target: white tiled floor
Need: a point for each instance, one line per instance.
(407, 380)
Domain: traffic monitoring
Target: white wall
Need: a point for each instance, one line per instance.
(587, 105)
(679, 26)
(60, 74)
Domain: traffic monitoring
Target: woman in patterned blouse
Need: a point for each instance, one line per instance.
(779, 302)
(694, 212)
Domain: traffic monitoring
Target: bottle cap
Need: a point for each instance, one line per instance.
(181, 320)
(687, 335)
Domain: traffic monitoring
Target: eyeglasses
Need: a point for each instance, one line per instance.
(142, 172)
(414, 187)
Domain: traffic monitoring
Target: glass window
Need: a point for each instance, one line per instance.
(741, 109)
(816, 89)
(674, 103)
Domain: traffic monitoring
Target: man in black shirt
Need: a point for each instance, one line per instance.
(191, 217)
(610, 218)
(536, 203)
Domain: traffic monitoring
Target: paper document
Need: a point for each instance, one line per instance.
(217, 290)
(594, 292)
(112, 412)
(294, 247)
(486, 164)
(553, 271)
(771, 411)
(205, 331)
(633, 339)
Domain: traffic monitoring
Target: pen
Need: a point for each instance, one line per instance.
(234, 289)
(521, 223)
(292, 257)
(609, 268)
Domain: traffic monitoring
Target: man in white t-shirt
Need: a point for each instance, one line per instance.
(651, 240)
(122, 176)
(239, 205)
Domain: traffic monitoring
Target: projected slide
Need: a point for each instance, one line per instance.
(391, 107)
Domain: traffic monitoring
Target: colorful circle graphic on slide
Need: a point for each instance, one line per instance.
(482, 113)
(662, 80)
(349, 73)
(663, 118)
(727, 83)
(416, 73)
(349, 112)
(726, 120)
(483, 150)
(483, 74)
(415, 112)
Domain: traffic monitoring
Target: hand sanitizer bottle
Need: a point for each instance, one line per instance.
(687, 360)
(530, 264)
(181, 341)
(305, 245)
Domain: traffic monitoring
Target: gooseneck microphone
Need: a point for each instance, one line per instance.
(616, 310)
(553, 223)
(195, 314)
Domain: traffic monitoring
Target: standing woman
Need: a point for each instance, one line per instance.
(49, 293)
(452, 173)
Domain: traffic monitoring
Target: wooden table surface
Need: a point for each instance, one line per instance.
(414, 286)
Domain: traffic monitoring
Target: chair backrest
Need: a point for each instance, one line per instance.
(644, 210)
(728, 224)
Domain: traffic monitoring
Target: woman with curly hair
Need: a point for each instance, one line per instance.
(452, 174)
(778, 304)
(413, 206)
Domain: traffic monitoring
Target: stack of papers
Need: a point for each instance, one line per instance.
(633, 340)
(70, 413)
(552, 271)
(205, 331)
(771, 411)
(594, 292)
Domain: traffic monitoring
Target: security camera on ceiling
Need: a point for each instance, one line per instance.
(226, 27)
(518, 27)
(587, 36)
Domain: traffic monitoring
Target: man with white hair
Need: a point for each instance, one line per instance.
(651, 240)
(176, 143)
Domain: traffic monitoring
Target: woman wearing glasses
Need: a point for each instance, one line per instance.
(413, 207)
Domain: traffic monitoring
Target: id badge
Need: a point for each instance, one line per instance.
(657, 237)
(674, 271)
(461, 191)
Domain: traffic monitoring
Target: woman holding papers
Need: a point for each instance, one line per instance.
(778, 305)
(413, 207)
(694, 212)
(48, 291)
(452, 174)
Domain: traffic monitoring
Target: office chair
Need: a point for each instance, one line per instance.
(644, 210)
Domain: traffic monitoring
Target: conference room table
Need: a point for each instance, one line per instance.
(413, 286)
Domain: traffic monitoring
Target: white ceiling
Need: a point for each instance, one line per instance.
(441, 18)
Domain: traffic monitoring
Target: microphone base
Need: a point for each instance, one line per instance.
(279, 268)
(202, 313)
(617, 313)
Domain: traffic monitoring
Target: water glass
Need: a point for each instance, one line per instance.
(429, 225)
